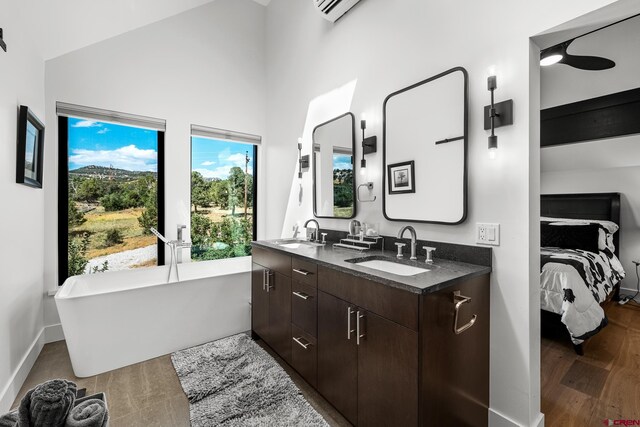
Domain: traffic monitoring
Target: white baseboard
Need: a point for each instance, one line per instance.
(53, 333)
(496, 419)
(11, 390)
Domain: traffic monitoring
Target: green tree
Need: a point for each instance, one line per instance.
(149, 217)
(76, 255)
(200, 191)
(200, 229)
(76, 217)
(232, 193)
(112, 238)
(89, 190)
(219, 193)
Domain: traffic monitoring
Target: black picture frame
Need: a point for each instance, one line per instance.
(402, 177)
(30, 148)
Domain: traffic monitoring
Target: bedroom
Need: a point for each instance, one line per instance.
(590, 169)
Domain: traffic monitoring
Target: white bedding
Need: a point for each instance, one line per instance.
(573, 283)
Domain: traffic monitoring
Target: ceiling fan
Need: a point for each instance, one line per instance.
(558, 55)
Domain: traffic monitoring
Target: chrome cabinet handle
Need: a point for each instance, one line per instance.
(303, 272)
(268, 284)
(300, 343)
(358, 334)
(349, 330)
(458, 300)
(264, 279)
(301, 295)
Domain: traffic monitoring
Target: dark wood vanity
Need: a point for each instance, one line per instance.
(381, 354)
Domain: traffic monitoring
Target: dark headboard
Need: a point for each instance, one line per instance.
(603, 206)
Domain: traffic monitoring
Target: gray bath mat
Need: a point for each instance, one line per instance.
(234, 382)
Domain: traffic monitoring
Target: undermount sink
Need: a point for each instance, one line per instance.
(296, 243)
(393, 267)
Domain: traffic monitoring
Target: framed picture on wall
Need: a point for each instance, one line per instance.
(401, 178)
(30, 148)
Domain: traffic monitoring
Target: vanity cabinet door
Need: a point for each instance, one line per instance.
(259, 302)
(387, 372)
(279, 291)
(338, 355)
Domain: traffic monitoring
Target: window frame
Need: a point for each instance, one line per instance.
(63, 196)
(254, 187)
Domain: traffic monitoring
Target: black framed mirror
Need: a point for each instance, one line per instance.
(334, 186)
(425, 138)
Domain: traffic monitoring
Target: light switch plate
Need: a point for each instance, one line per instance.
(488, 234)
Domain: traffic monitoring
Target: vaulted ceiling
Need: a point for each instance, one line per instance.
(62, 26)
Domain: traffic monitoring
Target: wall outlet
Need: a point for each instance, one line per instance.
(488, 234)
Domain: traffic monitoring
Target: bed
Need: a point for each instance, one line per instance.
(580, 269)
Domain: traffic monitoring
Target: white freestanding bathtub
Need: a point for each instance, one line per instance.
(111, 320)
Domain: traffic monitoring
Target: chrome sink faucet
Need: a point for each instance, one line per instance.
(314, 234)
(414, 239)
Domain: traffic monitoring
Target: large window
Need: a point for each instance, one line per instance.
(110, 174)
(223, 198)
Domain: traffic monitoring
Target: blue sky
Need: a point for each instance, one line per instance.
(105, 144)
(214, 158)
(342, 161)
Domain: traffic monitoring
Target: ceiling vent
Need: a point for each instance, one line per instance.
(332, 10)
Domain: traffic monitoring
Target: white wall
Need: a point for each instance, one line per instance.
(204, 66)
(610, 165)
(21, 220)
(387, 46)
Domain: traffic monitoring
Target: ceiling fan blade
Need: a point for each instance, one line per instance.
(593, 63)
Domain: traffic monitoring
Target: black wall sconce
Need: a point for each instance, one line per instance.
(496, 115)
(303, 161)
(3, 45)
(369, 145)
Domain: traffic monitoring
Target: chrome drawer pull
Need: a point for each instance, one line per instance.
(301, 295)
(303, 272)
(268, 283)
(300, 343)
(458, 300)
(358, 334)
(349, 330)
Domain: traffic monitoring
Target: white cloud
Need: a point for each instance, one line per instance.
(129, 158)
(86, 124)
(208, 163)
(103, 131)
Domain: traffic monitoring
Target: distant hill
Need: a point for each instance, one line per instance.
(106, 172)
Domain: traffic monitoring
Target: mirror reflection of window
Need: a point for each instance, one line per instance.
(342, 182)
(333, 171)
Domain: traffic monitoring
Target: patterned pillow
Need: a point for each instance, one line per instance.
(605, 235)
(570, 236)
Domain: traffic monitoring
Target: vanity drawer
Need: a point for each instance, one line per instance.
(272, 260)
(391, 303)
(304, 271)
(304, 355)
(304, 307)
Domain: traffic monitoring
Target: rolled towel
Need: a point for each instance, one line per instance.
(48, 404)
(90, 413)
(9, 420)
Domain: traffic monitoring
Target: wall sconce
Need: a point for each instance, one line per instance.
(369, 145)
(303, 161)
(3, 45)
(496, 115)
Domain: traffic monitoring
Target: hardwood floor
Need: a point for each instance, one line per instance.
(148, 393)
(604, 383)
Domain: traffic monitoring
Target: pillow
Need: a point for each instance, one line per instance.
(610, 226)
(607, 229)
(578, 236)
